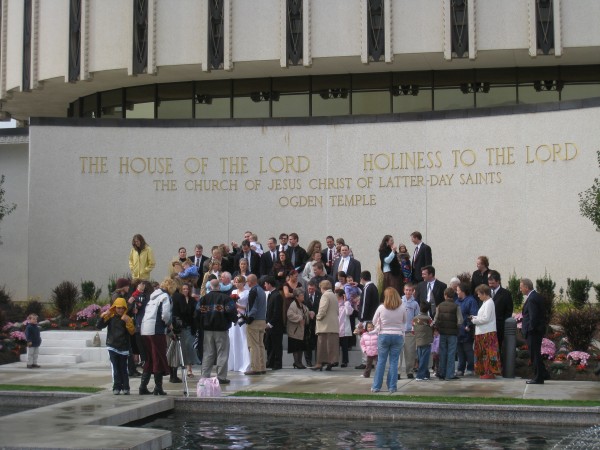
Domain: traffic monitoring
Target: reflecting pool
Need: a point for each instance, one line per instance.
(193, 430)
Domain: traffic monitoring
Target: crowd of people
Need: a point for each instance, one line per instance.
(231, 310)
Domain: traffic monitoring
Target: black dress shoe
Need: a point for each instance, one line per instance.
(344, 365)
(223, 381)
(361, 366)
(534, 382)
(335, 364)
(329, 366)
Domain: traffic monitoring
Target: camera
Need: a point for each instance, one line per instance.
(244, 319)
(177, 325)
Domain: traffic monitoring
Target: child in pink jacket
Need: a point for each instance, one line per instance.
(368, 344)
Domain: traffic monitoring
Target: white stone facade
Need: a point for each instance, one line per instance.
(417, 37)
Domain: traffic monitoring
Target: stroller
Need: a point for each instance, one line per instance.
(176, 354)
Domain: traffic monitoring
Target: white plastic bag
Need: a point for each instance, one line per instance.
(208, 387)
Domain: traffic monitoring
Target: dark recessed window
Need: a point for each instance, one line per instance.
(216, 27)
(294, 97)
(375, 30)
(139, 102)
(331, 95)
(175, 101)
(544, 20)
(212, 99)
(140, 36)
(371, 93)
(294, 32)
(459, 28)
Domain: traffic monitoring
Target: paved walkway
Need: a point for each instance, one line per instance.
(338, 381)
(86, 422)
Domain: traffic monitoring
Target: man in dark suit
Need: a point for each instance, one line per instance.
(346, 264)
(430, 290)
(199, 259)
(533, 328)
(503, 303)
(274, 330)
(312, 296)
(369, 302)
(252, 257)
(296, 254)
(421, 257)
(283, 242)
(329, 254)
(268, 257)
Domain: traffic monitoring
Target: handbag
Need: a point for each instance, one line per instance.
(208, 387)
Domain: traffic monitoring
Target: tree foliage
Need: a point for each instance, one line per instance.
(589, 201)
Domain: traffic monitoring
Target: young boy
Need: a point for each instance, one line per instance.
(189, 272)
(120, 327)
(423, 337)
(34, 340)
(447, 320)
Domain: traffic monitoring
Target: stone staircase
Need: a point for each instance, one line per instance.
(70, 347)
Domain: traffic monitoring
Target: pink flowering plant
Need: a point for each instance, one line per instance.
(88, 312)
(548, 349)
(519, 318)
(578, 358)
(18, 336)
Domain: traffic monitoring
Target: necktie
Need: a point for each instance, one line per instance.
(294, 257)
(429, 288)
(493, 293)
(197, 262)
(330, 257)
(273, 256)
(416, 253)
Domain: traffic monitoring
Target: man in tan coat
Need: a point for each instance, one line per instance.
(327, 328)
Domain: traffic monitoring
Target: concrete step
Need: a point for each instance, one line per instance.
(55, 359)
(65, 343)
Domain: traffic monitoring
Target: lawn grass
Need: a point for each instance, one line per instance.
(421, 399)
(31, 388)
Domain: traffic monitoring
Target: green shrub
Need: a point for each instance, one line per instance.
(35, 307)
(578, 291)
(597, 289)
(13, 312)
(65, 297)
(545, 287)
(89, 291)
(513, 288)
(579, 326)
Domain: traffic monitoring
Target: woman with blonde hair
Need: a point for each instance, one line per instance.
(157, 318)
(390, 322)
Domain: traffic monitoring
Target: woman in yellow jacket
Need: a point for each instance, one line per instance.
(141, 258)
